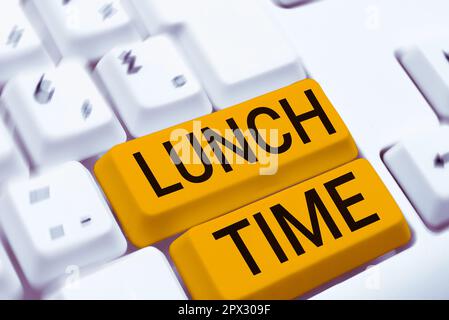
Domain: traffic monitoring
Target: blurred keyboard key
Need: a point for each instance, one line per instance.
(20, 48)
(142, 275)
(152, 86)
(171, 180)
(10, 286)
(60, 115)
(236, 58)
(85, 28)
(289, 243)
(428, 67)
(12, 164)
(420, 164)
(58, 222)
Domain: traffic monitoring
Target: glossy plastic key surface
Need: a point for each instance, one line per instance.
(293, 241)
(174, 179)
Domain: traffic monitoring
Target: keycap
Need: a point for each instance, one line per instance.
(85, 28)
(20, 48)
(166, 182)
(428, 67)
(10, 286)
(12, 164)
(152, 86)
(60, 115)
(142, 275)
(413, 274)
(305, 235)
(235, 61)
(58, 222)
(420, 164)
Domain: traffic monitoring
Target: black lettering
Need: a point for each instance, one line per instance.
(213, 138)
(317, 111)
(160, 192)
(314, 202)
(270, 237)
(208, 170)
(251, 121)
(233, 232)
(344, 204)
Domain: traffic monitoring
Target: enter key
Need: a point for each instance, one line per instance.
(293, 241)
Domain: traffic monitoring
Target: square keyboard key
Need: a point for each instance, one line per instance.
(20, 47)
(152, 86)
(85, 28)
(420, 164)
(60, 115)
(59, 221)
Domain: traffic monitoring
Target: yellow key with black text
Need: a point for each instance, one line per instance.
(169, 181)
(291, 242)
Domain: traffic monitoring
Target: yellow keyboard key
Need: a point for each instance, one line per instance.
(169, 181)
(291, 242)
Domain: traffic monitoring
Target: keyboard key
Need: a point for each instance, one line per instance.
(142, 275)
(152, 86)
(428, 67)
(420, 164)
(59, 221)
(420, 272)
(12, 164)
(60, 115)
(20, 48)
(236, 61)
(171, 180)
(305, 235)
(10, 286)
(85, 28)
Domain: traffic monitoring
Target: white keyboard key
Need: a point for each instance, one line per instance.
(236, 57)
(428, 66)
(142, 275)
(10, 286)
(420, 272)
(58, 222)
(60, 115)
(85, 28)
(152, 86)
(20, 48)
(12, 163)
(420, 164)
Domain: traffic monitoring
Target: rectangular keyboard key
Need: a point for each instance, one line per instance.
(60, 115)
(152, 86)
(20, 48)
(85, 28)
(234, 46)
(420, 164)
(10, 286)
(289, 243)
(142, 275)
(58, 222)
(171, 180)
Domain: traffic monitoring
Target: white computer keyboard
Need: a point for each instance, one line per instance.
(67, 97)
